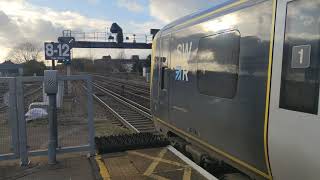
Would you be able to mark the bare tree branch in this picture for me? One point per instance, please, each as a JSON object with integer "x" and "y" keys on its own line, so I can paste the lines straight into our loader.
{"x": 25, "y": 52}
{"x": 121, "y": 55}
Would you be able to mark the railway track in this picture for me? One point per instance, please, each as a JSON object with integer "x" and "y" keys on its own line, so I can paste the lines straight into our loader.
{"x": 135, "y": 83}
{"x": 135, "y": 92}
{"x": 32, "y": 93}
{"x": 131, "y": 114}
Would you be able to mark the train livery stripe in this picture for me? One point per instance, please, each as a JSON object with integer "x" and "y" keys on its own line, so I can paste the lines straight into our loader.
{"x": 212, "y": 13}
{"x": 234, "y": 159}
{"x": 266, "y": 116}
{"x": 153, "y": 56}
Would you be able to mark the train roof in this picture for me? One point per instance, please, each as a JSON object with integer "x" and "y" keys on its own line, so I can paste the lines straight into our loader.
{"x": 202, "y": 14}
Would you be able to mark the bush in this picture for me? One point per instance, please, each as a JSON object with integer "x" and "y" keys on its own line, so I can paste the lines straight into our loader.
{"x": 33, "y": 67}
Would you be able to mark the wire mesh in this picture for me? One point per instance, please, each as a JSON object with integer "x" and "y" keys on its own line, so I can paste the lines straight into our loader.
{"x": 35, "y": 110}
{"x": 6, "y": 144}
{"x": 72, "y": 116}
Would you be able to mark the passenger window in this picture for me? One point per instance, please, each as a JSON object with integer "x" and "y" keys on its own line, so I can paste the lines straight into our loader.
{"x": 164, "y": 76}
{"x": 301, "y": 55}
{"x": 218, "y": 64}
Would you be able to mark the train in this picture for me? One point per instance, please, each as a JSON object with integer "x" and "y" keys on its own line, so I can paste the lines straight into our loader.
{"x": 237, "y": 85}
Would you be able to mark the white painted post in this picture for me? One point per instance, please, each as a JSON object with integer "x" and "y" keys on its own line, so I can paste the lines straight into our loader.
{"x": 69, "y": 82}
{"x": 144, "y": 71}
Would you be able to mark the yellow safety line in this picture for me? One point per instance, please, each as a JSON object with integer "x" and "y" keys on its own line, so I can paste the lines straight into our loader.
{"x": 157, "y": 177}
{"x": 156, "y": 160}
{"x": 102, "y": 168}
{"x": 236, "y": 160}
{"x": 266, "y": 116}
{"x": 155, "y": 163}
{"x": 160, "y": 159}
{"x": 187, "y": 173}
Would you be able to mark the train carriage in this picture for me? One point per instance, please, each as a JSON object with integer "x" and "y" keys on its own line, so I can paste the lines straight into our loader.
{"x": 240, "y": 83}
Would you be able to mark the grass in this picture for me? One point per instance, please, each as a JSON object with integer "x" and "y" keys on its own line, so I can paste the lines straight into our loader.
{"x": 38, "y": 122}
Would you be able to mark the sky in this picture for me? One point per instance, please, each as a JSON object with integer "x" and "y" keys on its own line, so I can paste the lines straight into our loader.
{"x": 43, "y": 20}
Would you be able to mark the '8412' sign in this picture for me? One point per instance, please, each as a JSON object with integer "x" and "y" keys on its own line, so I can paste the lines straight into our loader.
{"x": 57, "y": 51}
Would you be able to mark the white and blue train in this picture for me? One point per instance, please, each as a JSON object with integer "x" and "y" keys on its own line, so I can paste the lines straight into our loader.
{"x": 239, "y": 83}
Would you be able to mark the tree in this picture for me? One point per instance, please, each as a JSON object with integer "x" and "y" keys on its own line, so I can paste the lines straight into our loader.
{"x": 121, "y": 55}
{"x": 33, "y": 67}
{"x": 148, "y": 61}
{"x": 82, "y": 64}
{"x": 25, "y": 52}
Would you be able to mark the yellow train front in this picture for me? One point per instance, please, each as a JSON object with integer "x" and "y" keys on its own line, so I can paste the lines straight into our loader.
{"x": 239, "y": 84}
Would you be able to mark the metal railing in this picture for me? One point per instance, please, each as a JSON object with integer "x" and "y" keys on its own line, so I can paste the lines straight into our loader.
{"x": 21, "y": 137}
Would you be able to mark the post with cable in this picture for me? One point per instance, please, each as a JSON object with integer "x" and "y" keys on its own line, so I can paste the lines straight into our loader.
{"x": 51, "y": 89}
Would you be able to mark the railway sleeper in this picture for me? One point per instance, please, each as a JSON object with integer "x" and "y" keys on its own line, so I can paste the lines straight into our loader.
{"x": 139, "y": 120}
{"x": 143, "y": 126}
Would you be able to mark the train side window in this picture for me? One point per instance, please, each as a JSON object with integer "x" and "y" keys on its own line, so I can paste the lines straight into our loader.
{"x": 218, "y": 64}
{"x": 300, "y": 65}
{"x": 164, "y": 78}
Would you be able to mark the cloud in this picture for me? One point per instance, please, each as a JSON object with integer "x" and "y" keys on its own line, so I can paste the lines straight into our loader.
{"x": 131, "y": 5}
{"x": 9, "y": 31}
{"x": 21, "y": 21}
{"x": 145, "y": 27}
{"x": 169, "y": 10}
{"x": 93, "y": 2}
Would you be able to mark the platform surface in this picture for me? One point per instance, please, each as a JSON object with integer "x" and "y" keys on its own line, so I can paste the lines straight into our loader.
{"x": 143, "y": 164}
{"x": 156, "y": 163}
{"x": 70, "y": 167}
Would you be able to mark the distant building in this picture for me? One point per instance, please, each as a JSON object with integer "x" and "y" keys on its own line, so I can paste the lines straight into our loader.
{"x": 113, "y": 65}
{"x": 10, "y": 69}
{"x": 106, "y": 57}
{"x": 135, "y": 57}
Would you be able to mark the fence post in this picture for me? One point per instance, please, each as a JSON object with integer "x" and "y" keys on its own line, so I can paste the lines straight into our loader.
{"x": 51, "y": 88}
{"x": 13, "y": 118}
{"x": 90, "y": 115}
{"x": 22, "y": 123}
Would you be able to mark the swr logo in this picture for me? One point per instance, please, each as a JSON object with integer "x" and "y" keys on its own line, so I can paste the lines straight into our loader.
{"x": 184, "y": 51}
{"x": 184, "y": 54}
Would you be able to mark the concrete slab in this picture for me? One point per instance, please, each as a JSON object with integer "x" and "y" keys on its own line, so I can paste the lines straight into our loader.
{"x": 143, "y": 164}
{"x": 70, "y": 166}
{"x": 155, "y": 163}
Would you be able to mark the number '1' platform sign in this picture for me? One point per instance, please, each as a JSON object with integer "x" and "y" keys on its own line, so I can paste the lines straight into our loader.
{"x": 57, "y": 51}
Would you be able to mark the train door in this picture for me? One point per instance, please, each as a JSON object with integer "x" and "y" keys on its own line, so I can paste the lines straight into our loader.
{"x": 294, "y": 122}
{"x": 164, "y": 78}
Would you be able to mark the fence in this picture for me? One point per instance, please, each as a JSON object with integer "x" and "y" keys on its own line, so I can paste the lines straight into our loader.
{"x": 24, "y": 122}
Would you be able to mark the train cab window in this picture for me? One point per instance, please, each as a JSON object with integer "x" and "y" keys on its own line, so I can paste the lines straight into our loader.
{"x": 218, "y": 64}
{"x": 164, "y": 75}
{"x": 301, "y": 54}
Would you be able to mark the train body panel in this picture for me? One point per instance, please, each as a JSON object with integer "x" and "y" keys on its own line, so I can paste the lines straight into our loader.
{"x": 294, "y": 134}
{"x": 211, "y": 82}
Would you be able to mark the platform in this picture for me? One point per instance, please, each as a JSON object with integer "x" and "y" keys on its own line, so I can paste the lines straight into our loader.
{"x": 70, "y": 166}
{"x": 156, "y": 163}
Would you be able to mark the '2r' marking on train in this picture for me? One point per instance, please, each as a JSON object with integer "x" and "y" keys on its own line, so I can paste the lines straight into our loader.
{"x": 181, "y": 75}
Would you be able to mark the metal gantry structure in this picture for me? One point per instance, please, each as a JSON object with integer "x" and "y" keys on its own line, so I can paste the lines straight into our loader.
{"x": 115, "y": 39}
